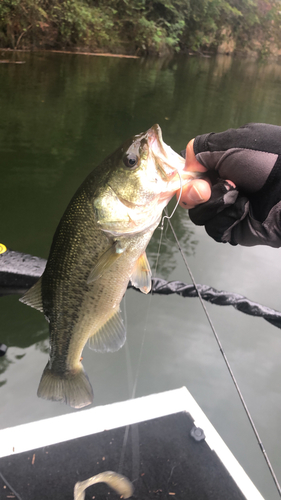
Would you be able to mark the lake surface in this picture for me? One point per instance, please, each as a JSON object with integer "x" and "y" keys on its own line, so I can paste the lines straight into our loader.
{"x": 62, "y": 114}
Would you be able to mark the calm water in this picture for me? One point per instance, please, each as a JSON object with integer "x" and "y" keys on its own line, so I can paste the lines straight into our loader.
{"x": 60, "y": 114}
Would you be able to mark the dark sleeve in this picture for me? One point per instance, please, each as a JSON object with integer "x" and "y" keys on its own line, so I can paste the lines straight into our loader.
{"x": 256, "y": 136}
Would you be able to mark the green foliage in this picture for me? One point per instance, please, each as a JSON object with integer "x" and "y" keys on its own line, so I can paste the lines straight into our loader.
{"x": 259, "y": 25}
{"x": 57, "y": 24}
{"x": 139, "y": 26}
{"x": 78, "y": 23}
{"x": 206, "y": 21}
{"x": 17, "y": 19}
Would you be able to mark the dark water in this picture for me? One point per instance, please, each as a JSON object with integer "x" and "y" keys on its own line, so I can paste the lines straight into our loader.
{"x": 60, "y": 114}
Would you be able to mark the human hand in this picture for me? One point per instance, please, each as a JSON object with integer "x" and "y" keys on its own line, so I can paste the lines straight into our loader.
{"x": 245, "y": 210}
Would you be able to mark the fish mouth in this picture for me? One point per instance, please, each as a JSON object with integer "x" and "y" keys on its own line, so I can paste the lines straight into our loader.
{"x": 155, "y": 141}
{"x": 168, "y": 162}
{"x": 155, "y": 134}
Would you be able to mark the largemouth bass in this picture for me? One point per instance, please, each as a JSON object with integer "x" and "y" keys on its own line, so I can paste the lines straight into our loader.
{"x": 98, "y": 247}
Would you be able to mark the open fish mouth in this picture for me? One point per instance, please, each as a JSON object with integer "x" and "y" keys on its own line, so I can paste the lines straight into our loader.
{"x": 155, "y": 139}
{"x": 169, "y": 162}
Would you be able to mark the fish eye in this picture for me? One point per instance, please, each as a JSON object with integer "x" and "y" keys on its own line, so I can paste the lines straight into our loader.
{"x": 131, "y": 160}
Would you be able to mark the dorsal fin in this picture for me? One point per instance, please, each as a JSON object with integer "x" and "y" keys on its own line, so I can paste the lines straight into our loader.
{"x": 111, "y": 336}
{"x": 141, "y": 276}
{"x": 33, "y": 297}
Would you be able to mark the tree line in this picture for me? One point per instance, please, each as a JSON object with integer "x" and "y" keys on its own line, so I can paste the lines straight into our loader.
{"x": 141, "y": 26}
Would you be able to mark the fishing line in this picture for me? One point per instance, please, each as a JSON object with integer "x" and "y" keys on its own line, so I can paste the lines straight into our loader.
{"x": 129, "y": 378}
{"x": 134, "y": 430}
{"x": 176, "y": 206}
{"x": 135, "y": 467}
{"x": 127, "y": 351}
{"x": 161, "y": 227}
{"x": 228, "y": 365}
{"x": 129, "y": 365}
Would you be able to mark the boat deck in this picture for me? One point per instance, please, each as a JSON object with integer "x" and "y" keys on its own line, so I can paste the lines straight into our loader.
{"x": 43, "y": 460}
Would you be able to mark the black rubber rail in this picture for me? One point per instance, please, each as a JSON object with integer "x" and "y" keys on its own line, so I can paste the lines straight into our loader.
{"x": 218, "y": 297}
{"x": 19, "y": 271}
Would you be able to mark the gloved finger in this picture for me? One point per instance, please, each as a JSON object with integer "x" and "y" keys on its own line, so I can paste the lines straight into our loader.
{"x": 223, "y": 194}
{"x": 221, "y": 225}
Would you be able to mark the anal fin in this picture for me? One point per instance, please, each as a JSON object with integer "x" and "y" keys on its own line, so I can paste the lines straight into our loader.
{"x": 141, "y": 276}
{"x": 111, "y": 336}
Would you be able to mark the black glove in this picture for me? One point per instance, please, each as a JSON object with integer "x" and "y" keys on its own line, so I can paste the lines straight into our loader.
{"x": 250, "y": 156}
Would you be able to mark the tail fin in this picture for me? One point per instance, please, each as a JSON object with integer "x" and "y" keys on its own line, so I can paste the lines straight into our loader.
{"x": 73, "y": 389}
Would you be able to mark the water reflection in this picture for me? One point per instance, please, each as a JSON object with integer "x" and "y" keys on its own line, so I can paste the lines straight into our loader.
{"x": 62, "y": 114}
{"x": 62, "y": 111}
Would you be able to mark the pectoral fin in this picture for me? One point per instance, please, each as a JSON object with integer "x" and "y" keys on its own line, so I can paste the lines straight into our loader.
{"x": 111, "y": 336}
{"x": 33, "y": 297}
{"x": 141, "y": 277}
{"x": 107, "y": 259}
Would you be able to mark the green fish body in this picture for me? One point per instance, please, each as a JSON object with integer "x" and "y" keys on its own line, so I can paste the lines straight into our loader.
{"x": 98, "y": 247}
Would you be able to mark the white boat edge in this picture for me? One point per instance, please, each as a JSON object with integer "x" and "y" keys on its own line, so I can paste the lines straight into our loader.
{"x": 55, "y": 430}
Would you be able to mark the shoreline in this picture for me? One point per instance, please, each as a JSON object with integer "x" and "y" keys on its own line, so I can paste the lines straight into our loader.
{"x": 246, "y": 54}
{"x": 101, "y": 54}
